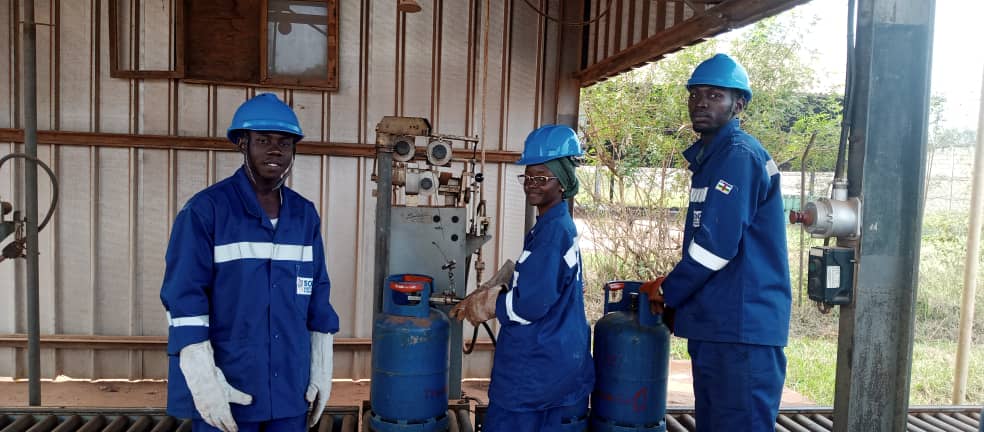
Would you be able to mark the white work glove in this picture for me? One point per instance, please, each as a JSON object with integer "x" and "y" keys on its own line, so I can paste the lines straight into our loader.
{"x": 209, "y": 389}
{"x": 479, "y": 306}
{"x": 322, "y": 350}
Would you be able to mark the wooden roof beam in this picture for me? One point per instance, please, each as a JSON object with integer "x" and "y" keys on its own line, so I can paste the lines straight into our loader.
{"x": 727, "y": 15}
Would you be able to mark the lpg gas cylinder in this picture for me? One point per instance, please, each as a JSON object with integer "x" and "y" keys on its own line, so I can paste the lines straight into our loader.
{"x": 409, "y": 359}
{"x": 631, "y": 355}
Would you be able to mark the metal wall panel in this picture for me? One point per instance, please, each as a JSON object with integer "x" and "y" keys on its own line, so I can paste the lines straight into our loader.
{"x": 8, "y": 277}
{"x": 455, "y": 72}
{"x": 152, "y": 215}
{"x": 345, "y": 106}
{"x": 523, "y": 77}
{"x": 112, "y": 107}
{"x": 194, "y": 106}
{"x": 342, "y": 222}
{"x": 156, "y": 47}
{"x": 103, "y": 256}
{"x": 490, "y": 92}
{"x": 309, "y": 106}
{"x": 153, "y": 107}
{"x": 8, "y": 85}
{"x": 75, "y": 228}
{"x": 74, "y": 80}
{"x": 112, "y": 268}
{"x": 416, "y": 61}
{"x": 47, "y": 50}
{"x": 362, "y": 293}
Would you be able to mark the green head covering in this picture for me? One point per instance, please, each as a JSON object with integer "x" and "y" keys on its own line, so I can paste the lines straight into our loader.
{"x": 563, "y": 168}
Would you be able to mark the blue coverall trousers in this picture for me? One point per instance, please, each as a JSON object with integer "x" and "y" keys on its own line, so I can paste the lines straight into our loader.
{"x": 289, "y": 424}
{"x": 737, "y": 387}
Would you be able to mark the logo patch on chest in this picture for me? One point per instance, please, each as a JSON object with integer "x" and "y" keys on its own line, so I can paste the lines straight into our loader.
{"x": 304, "y": 285}
{"x": 724, "y": 187}
{"x": 696, "y": 222}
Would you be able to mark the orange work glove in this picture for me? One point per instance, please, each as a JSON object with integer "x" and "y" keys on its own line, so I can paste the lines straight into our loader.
{"x": 654, "y": 290}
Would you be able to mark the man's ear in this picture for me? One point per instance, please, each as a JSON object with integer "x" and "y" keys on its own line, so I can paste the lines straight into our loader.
{"x": 242, "y": 141}
{"x": 739, "y": 104}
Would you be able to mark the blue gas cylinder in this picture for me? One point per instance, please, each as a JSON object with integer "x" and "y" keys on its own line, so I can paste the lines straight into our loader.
{"x": 632, "y": 356}
{"x": 409, "y": 389}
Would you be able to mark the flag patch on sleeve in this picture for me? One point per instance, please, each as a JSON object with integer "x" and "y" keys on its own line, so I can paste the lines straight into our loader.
{"x": 724, "y": 187}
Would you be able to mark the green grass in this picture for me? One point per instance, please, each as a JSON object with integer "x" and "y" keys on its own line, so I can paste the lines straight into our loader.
{"x": 812, "y": 349}
{"x": 932, "y": 373}
{"x": 812, "y": 367}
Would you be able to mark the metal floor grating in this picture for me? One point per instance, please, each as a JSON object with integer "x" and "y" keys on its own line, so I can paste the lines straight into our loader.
{"x": 820, "y": 419}
{"x": 346, "y": 419}
{"x": 42, "y": 419}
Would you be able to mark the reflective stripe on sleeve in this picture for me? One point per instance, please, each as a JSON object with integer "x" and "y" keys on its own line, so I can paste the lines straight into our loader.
{"x": 189, "y": 321}
{"x": 698, "y": 195}
{"x": 523, "y": 256}
{"x": 512, "y": 314}
{"x": 771, "y": 168}
{"x": 570, "y": 257}
{"x": 705, "y": 258}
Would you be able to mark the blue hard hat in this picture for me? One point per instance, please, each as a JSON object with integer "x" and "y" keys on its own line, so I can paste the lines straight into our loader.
{"x": 721, "y": 71}
{"x": 264, "y": 113}
{"x": 549, "y": 142}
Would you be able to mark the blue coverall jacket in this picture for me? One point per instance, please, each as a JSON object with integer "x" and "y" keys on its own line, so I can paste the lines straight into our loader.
{"x": 253, "y": 290}
{"x": 542, "y": 358}
{"x": 732, "y": 284}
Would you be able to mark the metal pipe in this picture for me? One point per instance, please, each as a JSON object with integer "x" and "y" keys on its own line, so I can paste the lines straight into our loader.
{"x": 31, "y": 202}
{"x": 384, "y": 182}
{"x": 970, "y": 264}
{"x": 859, "y": 71}
{"x": 848, "y": 104}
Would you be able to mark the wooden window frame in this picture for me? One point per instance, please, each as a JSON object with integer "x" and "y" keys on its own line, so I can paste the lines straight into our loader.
{"x": 329, "y": 83}
{"x": 116, "y": 71}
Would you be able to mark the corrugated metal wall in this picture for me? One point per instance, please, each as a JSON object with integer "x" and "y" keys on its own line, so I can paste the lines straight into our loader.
{"x": 102, "y": 258}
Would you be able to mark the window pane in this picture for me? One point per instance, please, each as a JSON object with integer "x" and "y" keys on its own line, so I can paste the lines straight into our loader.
{"x": 297, "y": 39}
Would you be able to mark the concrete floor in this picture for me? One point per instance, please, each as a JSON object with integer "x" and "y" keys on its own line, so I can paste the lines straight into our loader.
{"x": 149, "y": 394}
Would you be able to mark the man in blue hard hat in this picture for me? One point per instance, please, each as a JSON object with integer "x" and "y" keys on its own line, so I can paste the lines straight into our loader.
{"x": 542, "y": 372}
{"x": 731, "y": 289}
{"x": 250, "y": 326}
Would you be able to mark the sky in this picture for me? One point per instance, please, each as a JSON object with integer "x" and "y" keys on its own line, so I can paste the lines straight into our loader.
{"x": 958, "y": 55}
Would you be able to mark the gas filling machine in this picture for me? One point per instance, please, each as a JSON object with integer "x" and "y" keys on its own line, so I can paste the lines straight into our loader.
{"x": 430, "y": 221}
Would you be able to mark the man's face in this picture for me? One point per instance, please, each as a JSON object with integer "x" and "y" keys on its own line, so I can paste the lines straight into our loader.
{"x": 270, "y": 154}
{"x": 545, "y": 194}
{"x": 712, "y": 107}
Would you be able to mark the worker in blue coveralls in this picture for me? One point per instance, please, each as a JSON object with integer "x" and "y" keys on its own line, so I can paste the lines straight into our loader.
{"x": 731, "y": 289}
{"x": 250, "y": 328}
{"x": 542, "y": 372}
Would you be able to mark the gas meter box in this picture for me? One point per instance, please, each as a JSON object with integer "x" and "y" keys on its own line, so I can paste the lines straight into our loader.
{"x": 831, "y": 275}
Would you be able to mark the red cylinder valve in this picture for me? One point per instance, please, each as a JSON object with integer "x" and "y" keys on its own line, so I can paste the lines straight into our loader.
{"x": 803, "y": 217}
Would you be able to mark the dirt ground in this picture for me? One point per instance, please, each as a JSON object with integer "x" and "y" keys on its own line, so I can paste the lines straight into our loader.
{"x": 64, "y": 392}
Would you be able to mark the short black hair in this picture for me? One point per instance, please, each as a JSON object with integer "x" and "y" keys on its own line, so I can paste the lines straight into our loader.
{"x": 738, "y": 94}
